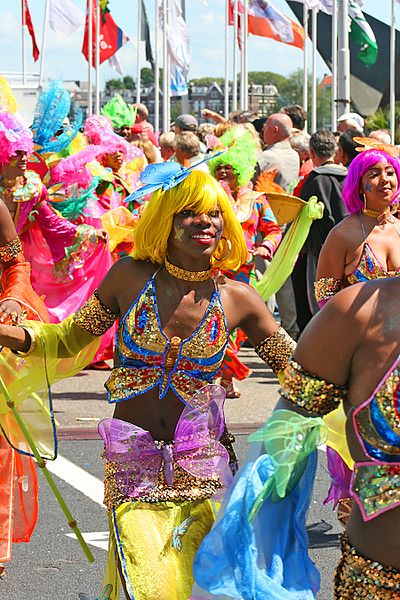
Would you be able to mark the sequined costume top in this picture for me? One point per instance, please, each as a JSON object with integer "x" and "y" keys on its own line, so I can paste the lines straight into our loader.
{"x": 376, "y": 483}
{"x": 368, "y": 268}
{"x": 149, "y": 359}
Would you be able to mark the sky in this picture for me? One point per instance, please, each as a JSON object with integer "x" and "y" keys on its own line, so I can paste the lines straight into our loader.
{"x": 205, "y": 19}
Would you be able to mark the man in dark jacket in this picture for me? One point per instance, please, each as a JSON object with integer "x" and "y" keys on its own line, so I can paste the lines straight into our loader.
{"x": 325, "y": 182}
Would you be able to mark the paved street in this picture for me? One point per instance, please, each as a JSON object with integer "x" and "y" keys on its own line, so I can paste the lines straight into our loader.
{"x": 52, "y": 566}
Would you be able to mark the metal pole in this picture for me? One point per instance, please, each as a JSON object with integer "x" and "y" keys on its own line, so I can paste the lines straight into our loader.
{"x": 245, "y": 29}
{"x": 343, "y": 102}
{"x": 334, "y": 63}
{"x": 393, "y": 71}
{"x": 90, "y": 56}
{"x": 305, "y": 60}
{"x": 234, "y": 62}
{"x": 97, "y": 57}
{"x": 44, "y": 39}
{"x": 226, "y": 82}
{"x": 165, "y": 69}
{"x": 241, "y": 36}
{"x": 23, "y": 21}
{"x": 314, "y": 20}
{"x": 139, "y": 37}
{"x": 156, "y": 71}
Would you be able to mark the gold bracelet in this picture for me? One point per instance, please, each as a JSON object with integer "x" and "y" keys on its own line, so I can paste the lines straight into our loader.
{"x": 276, "y": 349}
{"x": 33, "y": 344}
{"x": 94, "y": 317}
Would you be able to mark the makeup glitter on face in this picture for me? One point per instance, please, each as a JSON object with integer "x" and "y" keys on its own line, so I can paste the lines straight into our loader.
{"x": 178, "y": 233}
{"x": 368, "y": 186}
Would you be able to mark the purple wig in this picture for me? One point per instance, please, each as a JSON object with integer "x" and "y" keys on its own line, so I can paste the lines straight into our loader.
{"x": 358, "y": 167}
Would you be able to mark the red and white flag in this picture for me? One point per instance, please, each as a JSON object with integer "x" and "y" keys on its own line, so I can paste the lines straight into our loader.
{"x": 27, "y": 20}
{"x": 266, "y": 21}
{"x": 111, "y": 37}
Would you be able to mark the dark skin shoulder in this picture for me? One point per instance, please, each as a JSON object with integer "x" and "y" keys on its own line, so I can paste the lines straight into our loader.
{"x": 7, "y": 228}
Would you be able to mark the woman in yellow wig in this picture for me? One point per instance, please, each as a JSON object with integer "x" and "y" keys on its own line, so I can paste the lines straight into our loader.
{"x": 167, "y": 451}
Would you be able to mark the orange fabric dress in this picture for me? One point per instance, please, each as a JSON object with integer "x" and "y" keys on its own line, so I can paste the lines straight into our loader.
{"x": 18, "y": 477}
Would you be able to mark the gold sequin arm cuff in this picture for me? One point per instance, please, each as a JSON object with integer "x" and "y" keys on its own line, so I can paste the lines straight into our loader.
{"x": 10, "y": 250}
{"x": 326, "y": 287}
{"x": 94, "y": 317}
{"x": 276, "y": 350}
{"x": 313, "y": 394}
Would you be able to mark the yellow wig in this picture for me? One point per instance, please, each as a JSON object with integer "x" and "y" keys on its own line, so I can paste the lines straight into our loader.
{"x": 198, "y": 192}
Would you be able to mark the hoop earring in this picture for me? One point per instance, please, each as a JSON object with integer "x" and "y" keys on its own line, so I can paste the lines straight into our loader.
{"x": 227, "y": 252}
{"x": 364, "y": 199}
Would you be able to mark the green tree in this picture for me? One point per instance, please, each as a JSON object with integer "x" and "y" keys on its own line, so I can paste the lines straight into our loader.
{"x": 380, "y": 119}
{"x": 114, "y": 84}
{"x": 128, "y": 83}
{"x": 266, "y": 78}
{"x": 207, "y": 81}
{"x": 146, "y": 76}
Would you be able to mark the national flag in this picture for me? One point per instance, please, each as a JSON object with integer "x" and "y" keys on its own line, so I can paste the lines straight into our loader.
{"x": 65, "y": 17}
{"x": 363, "y": 35}
{"x": 145, "y": 35}
{"x": 27, "y": 20}
{"x": 266, "y": 21}
{"x": 111, "y": 37}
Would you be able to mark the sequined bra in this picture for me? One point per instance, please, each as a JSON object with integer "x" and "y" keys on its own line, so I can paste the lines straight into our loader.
{"x": 149, "y": 359}
{"x": 376, "y": 484}
{"x": 369, "y": 267}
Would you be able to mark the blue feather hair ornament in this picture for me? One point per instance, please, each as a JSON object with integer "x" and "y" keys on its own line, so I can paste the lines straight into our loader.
{"x": 52, "y": 108}
{"x": 165, "y": 176}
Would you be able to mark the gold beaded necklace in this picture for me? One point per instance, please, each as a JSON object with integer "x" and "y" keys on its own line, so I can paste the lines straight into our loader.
{"x": 187, "y": 275}
{"x": 377, "y": 213}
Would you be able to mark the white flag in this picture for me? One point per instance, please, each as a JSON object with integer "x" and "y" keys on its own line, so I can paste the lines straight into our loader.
{"x": 65, "y": 16}
{"x": 178, "y": 49}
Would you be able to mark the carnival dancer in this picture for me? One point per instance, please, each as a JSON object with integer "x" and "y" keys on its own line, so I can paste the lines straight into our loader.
{"x": 364, "y": 246}
{"x": 18, "y": 479}
{"x": 350, "y": 351}
{"x": 234, "y": 170}
{"x": 166, "y": 453}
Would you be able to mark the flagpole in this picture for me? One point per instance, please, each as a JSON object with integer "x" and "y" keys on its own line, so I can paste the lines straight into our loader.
{"x": 334, "y": 63}
{"x": 165, "y": 68}
{"x": 23, "y": 21}
{"x": 393, "y": 71}
{"x": 343, "y": 58}
{"x": 234, "y": 62}
{"x": 245, "y": 55}
{"x": 156, "y": 72}
{"x": 139, "y": 37}
{"x": 305, "y": 60}
{"x": 226, "y": 82}
{"x": 90, "y": 55}
{"x": 241, "y": 37}
{"x": 314, "y": 21}
{"x": 44, "y": 40}
{"x": 97, "y": 57}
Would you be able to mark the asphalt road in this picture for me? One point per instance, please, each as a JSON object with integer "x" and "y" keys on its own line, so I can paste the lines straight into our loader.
{"x": 52, "y": 566}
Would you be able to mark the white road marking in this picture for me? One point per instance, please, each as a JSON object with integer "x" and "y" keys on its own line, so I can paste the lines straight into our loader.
{"x": 99, "y": 539}
{"x": 78, "y": 478}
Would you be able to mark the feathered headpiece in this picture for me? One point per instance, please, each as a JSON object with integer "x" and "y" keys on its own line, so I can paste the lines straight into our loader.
{"x": 51, "y": 110}
{"x": 14, "y": 137}
{"x": 241, "y": 154}
{"x": 119, "y": 112}
{"x": 8, "y": 102}
{"x": 99, "y": 131}
{"x": 74, "y": 170}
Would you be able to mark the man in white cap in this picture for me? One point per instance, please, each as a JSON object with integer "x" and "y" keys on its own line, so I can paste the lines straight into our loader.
{"x": 350, "y": 120}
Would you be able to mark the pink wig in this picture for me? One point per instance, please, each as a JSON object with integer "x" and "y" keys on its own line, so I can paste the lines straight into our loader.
{"x": 14, "y": 137}
{"x": 99, "y": 131}
{"x": 358, "y": 167}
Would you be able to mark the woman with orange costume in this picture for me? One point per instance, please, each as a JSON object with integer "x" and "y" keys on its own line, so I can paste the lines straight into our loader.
{"x": 176, "y": 312}
{"x": 18, "y": 479}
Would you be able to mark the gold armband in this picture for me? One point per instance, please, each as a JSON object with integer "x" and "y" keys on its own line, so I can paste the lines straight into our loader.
{"x": 33, "y": 345}
{"x": 276, "y": 350}
{"x": 310, "y": 392}
{"x": 94, "y": 317}
{"x": 10, "y": 250}
{"x": 326, "y": 287}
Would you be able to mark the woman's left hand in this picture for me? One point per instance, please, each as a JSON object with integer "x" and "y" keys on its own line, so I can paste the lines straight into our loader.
{"x": 102, "y": 235}
{"x": 263, "y": 252}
